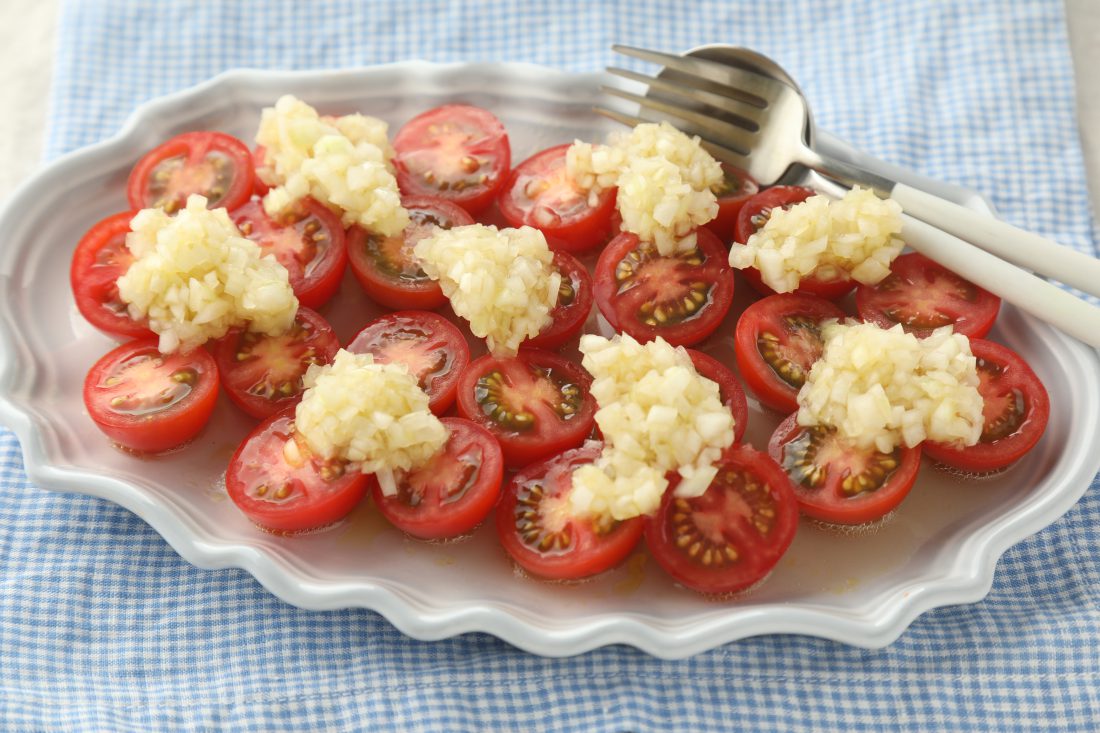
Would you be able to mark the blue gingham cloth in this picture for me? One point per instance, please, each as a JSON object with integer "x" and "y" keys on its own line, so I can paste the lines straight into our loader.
{"x": 103, "y": 627}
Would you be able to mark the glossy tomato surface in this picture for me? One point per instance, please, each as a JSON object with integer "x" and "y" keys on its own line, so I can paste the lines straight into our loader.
{"x": 263, "y": 374}
{"x": 211, "y": 164}
{"x": 282, "y": 486}
{"x": 457, "y": 152}
{"x": 730, "y": 537}
{"x": 736, "y": 188}
{"x": 100, "y": 259}
{"x": 540, "y": 194}
{"x": 682, "y": 298}
{"x": 433, "y": 349}
{"x": 536, "y": 403}
{"x": 922, "y": 296}
{"x": 1015, "y": 412}
{"x": 573, "y": 306}
{"x": 838, "y": 482}
{"x": 151, "y": 402}
{"x": 451, "y": 494}
{"x": 539, "y": 531}
{"x": 386, "y": 266}
{"x": 308, "y": 241}
{"x": 729, "y": 389}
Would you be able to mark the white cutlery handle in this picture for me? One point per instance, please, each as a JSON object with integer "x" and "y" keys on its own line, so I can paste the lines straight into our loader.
{"x": 1027, "y": 250}
{"x": 1038, "y": 297}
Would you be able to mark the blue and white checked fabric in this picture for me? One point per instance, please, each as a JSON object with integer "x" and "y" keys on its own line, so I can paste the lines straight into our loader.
{"x": 103, "y": 627}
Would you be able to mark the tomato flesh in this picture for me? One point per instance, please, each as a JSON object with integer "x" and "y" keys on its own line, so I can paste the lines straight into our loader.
{"x": 681, "y": 298}
{"x": 736, "y": 188}
{"x": 433, "y": 349}
{"x": 539, "y": 531}
{"x": 574, "y": 304}
{"x": 210, "y": 164}
{"x": 451, "y": 494}
{"x": 100, "y": 259}
{"x": 731, "y": 536}
{"x": 151, "y": 402}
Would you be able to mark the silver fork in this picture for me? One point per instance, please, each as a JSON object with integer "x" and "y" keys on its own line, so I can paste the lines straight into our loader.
{"x": 760, "y": 124}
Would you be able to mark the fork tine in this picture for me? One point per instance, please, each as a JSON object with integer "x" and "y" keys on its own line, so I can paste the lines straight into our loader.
{"x": 758, "y": 85}
{"x": 743, "y": 114}
{"x": 737, "y": 138}
{"x": 723, "y": 154}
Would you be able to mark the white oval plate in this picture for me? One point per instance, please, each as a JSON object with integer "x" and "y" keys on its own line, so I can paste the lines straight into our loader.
{"x": 940, "y": 549}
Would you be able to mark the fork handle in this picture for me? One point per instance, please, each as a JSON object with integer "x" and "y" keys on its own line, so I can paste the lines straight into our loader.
{"x": 1028, "y": 250}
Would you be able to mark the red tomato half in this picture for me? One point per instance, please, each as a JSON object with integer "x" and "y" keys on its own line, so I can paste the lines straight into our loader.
{"x": 1015, "y": 412}
{"x": 536, "y": 404}
{"x": 681, "y": 298}
{"x": 211, "y": 164}
{"x": 148, "y": 401}
{"x": 457, "y": 152}
{"x": 922, "y": 296}
{"x": 263, "y": 374}
{"x": 540, "y": 194}
{"x": 386, "y": 266}
{"x": 308, "y": 241}
{"x": 432, "y": 347}
{"x": 837, "y": 482}
{"x": 752, "y": 217}
{"x": 100, "y": 259}
{"x": 538, "y": 529}
{"x": 736, "y": 188}
{"x": 729, "y": 389}
{"x": 574, "y": 304}
{"x": 282, "y": 486}
{"x": 777, "y": 339}
{"x": 730, "y": 537}
{"x": 451, "y": 494}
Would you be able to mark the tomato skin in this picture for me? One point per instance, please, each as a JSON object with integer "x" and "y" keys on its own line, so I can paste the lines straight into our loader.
{"x": 579, "y": 227}
{"x": 442, "y": 138}
{"x": 316, "y": 280}
{"x": 239, "y": 376}
{"x": 403, "y": 290}
{"x": 101, "y": 257}
{"x": 656, "y": 276}
{"x": 729, "y": 389}
{"x": 433, "y": 517}
{"x": 195, "y": 148}
{"x": 567, "y": 319}
{"x": 919, "y": 288}
{"x": 589, "y": 551}
{"x": 1015, "y": 377}
{"x": 151, "y": 429}
{"x": 391, "y": 337}
{"x": 749, "y": 222}
{"x": 723, "y": 508}
{"x": 829, "y": 502}
{"x": 551, "y": 432}
{"x": 769, "y": 315}
{"x": 314, "y": 501}
{"x": 738, "y": 187}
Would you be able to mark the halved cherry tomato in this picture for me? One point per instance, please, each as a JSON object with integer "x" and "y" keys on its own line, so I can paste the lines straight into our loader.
{"x": 308, "y": 241}
{"x": 457, "y": 152}
{"x": 452, "y": 493}
{"x": 536, "y": 404}
{"x": 729, "y": 389}
{"x": 574, "y": 304}
{"x": 752, "y": 217}
{"x": 148, "y": 401}
{"x": 540, "y": 194}
{"x": 212, "y": 164}
{"x": 386, "y": 267}
{"x": 537, "y": 527}
{"x": 1016, "y": 409}
{"x": 922, "y": 296}
{"x": 777, "y": 339}
{"x": 736, "y": 188}
{"x": 100, "y": 259}
{"x": 838, "y": 482}
{"x": 432, "y": 347}
{"x": 681, "y": 298}
{"x": 281, "y": 485}
{"x": 263, "y": 374}
{"x": 730, "y": 537}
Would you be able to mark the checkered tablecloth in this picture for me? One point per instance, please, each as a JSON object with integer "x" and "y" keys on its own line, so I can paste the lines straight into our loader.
{"x": 103, "y": 627}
